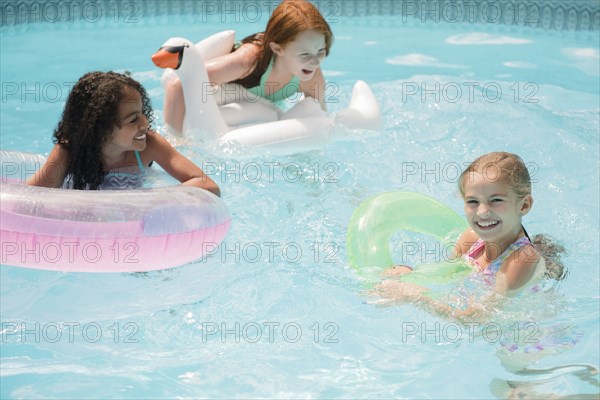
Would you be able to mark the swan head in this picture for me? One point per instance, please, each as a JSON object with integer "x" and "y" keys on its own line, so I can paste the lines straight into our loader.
{"x": 172, "y": 53}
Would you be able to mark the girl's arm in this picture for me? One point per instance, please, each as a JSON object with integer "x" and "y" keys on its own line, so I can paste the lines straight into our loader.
{"x": 232, "y": 66}
{"x": 395, "y": 291}
{"x": 315, "y": 88}
{"x": 52, "y": 174}
{"x": 399, "y": 292}
{"x": 517, "y": 271}
{"x": 178, "y": 166}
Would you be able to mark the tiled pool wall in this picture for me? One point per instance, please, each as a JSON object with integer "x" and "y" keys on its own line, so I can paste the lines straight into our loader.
{"x": 565, "y": 15}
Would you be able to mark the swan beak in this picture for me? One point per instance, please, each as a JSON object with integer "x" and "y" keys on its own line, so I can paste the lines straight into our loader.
{"x": 168, "y": 57}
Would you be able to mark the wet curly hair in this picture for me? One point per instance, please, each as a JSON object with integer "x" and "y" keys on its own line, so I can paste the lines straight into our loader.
{"x": 90, "y": 116}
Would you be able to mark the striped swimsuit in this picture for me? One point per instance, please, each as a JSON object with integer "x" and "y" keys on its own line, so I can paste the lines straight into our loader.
{"x": 131, "y": 177}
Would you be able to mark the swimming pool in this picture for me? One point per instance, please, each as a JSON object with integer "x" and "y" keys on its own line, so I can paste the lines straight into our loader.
{"x": 276, "y": 311}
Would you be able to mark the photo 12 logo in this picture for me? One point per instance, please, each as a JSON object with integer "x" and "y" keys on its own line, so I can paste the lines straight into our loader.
{"x": 256, "y": 11}
{"x": 469, "y": 91}
{"x": 451, "y": 172}
{"x": 269, "y": 331}
{"x": 272, "y": 252}
{"x": 69, "y": 252}
{"x": 452, "y": 332}
{"x": 470, "y": 11}
{"x": 35, "y": 92}
{"x": 271, "y": 171}
{"x": 23, "y": 12}
{"x": 68, "y": 332}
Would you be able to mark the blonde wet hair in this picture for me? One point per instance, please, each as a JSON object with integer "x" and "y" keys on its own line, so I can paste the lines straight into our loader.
{"x": 500, "y": 166}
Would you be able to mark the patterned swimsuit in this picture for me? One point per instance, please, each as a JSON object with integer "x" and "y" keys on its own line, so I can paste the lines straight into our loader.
{"x": 131, "y": 177}
{"x": 490, "y": 272}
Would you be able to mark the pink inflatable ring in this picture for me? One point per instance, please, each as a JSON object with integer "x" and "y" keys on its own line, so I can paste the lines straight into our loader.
{"x": 103, "y": 231}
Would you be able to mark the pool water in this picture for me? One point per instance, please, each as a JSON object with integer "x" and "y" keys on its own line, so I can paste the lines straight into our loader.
{"x": 276, "y": 311}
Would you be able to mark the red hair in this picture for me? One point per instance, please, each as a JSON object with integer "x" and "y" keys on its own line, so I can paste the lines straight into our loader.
{"x": 289, "y": 19}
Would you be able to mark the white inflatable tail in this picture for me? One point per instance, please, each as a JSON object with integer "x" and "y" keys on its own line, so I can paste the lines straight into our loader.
{"x": 363, "y": 112}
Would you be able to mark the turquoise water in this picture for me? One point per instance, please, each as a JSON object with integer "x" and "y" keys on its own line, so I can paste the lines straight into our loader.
{"x": 276, "y": 311}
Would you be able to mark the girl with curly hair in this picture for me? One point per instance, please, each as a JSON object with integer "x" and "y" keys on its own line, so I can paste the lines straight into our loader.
{"x": 104, "y": 140}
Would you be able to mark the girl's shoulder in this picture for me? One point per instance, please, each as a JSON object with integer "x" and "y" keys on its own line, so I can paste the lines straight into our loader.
{"x": 464, "y": 242}
{"x": 235, "y": 65}
{"x": 154, "y": 140}
{"x": 249, "y": 48}
{"x": 155, "y": 145}
{"x": 523, "y": 257}
{"x": 521, "y": 266}
{"x": 247, "y": 55}
{"x": 54, "y": 170}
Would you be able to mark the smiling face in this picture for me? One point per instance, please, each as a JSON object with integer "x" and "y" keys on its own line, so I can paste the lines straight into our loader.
{"x": 131, "y": 134}
{"x": 493, "y": 209}
{"x": 303, "y": 55}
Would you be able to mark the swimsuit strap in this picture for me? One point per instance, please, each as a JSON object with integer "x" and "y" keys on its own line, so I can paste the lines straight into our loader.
{"x": 139, "y": 161}
{"x": 474, "y": 249}
{"x": 497, "y": 263}
{"x": 525, "y": 231}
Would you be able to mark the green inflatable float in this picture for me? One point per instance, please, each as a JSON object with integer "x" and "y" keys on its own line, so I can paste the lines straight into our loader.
{"x": 378, "y": 218}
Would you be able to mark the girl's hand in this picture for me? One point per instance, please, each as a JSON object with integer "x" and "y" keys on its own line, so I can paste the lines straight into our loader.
{"x": 176, "y": 164}
{"x": 397, "y": 270}
{"x": 399, "y": 291}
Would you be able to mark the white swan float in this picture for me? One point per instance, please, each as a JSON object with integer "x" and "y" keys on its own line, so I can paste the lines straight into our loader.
{"x": 230, "y": 113}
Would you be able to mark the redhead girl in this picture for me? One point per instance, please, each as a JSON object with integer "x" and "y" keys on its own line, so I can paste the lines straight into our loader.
{"x": 275, "y": 64}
